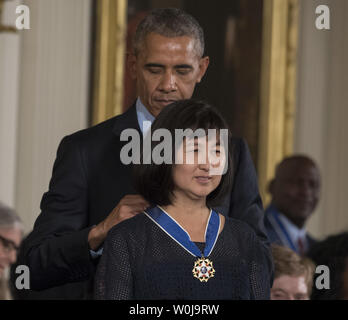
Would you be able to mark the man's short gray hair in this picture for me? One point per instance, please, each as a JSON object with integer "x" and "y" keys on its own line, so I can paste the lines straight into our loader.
{"x": 169, "y": 22}
{"x": 9, "y": 217}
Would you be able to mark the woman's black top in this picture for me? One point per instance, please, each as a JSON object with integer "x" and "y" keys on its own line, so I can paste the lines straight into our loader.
{"x": 140, "y": 261}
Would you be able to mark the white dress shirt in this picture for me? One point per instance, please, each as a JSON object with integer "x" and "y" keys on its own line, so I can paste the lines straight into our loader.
{"x": 294, "y": 232}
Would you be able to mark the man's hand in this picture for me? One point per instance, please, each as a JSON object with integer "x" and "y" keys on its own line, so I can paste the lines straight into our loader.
{"x": 128, "y": 207}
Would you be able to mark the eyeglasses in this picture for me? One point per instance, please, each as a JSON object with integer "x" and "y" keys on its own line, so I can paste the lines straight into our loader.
{"x": 8, "y": 245}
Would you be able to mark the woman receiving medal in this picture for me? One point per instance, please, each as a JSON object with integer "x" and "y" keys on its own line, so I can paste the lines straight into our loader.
{"x": 180, "y": 247}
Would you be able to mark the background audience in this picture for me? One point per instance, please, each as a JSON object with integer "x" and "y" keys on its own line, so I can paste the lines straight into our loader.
{"x": 295, "y": 195}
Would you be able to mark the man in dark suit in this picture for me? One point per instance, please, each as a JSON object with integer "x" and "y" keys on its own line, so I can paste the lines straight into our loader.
{"x": 295, "y": 194}
{"x": 91, "y": 189}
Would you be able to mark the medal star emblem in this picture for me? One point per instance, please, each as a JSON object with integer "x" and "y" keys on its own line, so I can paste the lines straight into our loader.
{"x": 203, "y": 270}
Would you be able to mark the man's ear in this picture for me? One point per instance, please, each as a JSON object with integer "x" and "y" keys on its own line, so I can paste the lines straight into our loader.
{"x": 270, "y": 188}
{"x": 131, "y": 63}
{"x": 203, "y": 66}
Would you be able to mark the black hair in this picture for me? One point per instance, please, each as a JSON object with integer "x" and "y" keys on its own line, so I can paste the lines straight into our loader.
{"x": 169, "y": 22}
{"x": 155, "y": 182}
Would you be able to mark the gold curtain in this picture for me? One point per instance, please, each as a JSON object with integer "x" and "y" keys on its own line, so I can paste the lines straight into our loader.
{"x": 111, "y": 30}
{"x": 278, "y": 83}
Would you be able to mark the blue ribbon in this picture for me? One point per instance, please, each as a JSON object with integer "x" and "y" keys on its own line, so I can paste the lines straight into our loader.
{"x": 175, "y": 231}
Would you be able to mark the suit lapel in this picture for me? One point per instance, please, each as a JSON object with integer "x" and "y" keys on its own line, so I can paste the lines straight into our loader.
{"x": 274, "y": 233}
{"x": 127, "y": 120}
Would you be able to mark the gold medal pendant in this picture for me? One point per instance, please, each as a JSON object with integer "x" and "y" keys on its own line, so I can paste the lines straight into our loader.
{"x": 203, "y": 269}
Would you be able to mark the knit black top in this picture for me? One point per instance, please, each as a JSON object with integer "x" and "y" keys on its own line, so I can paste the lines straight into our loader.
{"x": 141, "y": 262}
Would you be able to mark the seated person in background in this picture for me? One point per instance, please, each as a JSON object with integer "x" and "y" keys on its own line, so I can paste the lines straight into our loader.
{"x": 293, "y": 275}
{"x": 295, "y": 194}
{"x": 333, "y": 253}
{"x": 11, "y": 232}
{"x": 180, "y": 248}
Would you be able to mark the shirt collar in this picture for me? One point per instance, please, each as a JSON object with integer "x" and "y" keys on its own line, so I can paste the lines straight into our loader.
{"x": 143, "y": 115}
{"x": 293, "y": 231}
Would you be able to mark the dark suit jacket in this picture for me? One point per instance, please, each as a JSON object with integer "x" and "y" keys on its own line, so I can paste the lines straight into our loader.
{"x": 88, "y": 181}
{"x": 273, "y": 235}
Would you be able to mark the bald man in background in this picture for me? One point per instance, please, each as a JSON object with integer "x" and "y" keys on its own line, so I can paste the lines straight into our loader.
{"x": 295, "y": 194}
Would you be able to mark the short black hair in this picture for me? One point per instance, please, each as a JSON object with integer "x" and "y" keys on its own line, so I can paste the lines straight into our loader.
{"x": 155, "y": 182}
{"x": 169, "y": 22}
{"x": 333, "y": 253}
